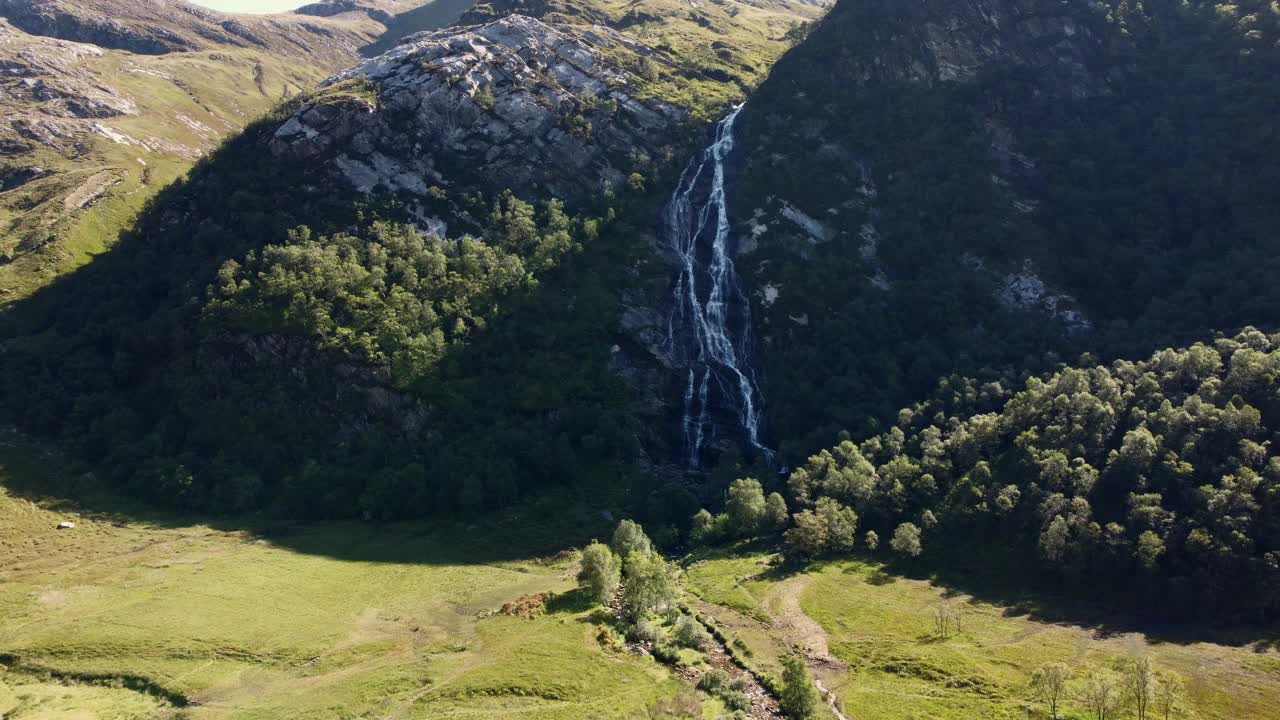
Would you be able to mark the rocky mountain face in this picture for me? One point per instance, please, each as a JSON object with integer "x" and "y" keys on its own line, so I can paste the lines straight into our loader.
{"x": 158, "y": 27}
{"x": 935, "y": 42}
{"x": 924, "y": 47}
{"x": 339, "y": 7}
{"x": 521, "y": 104}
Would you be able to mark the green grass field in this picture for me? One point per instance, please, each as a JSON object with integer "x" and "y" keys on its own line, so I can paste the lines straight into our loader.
{"x": 187, "y": 102}
{"x": 124, "y": 617}
{"x": 870, "y": 637}
{"x": 135, "y": 614}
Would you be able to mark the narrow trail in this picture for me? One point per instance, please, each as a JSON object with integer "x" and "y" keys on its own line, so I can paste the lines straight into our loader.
{"x": 806, "y": 637}
{"x": 830, "y": 697}
{"x": 798, "y": 629}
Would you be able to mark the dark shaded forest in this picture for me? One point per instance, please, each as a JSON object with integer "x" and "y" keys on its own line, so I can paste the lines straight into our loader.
{"x": 265, "y": 338}
{"x": 1131, "y": 163}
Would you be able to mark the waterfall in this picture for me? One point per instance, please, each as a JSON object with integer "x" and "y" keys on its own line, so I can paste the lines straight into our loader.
{"x": 709, "y": 327}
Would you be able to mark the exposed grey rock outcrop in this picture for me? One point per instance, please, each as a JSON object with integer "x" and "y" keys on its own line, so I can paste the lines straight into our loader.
{"x": 516, "y": 103}
{"x": 42, "y": 77}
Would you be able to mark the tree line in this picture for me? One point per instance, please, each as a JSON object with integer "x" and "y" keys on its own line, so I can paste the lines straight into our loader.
{"x": 1156, "y": 479}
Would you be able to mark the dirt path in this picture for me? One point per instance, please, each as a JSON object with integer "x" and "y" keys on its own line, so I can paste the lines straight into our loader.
{"x": 799, "y": 630}
{"x": 806, "y": 637}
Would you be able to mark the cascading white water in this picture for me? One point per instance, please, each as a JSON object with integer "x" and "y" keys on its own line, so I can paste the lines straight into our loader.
{"x": 716, "y": 342}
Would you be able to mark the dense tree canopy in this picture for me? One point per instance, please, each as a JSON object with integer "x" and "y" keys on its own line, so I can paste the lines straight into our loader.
{"x": 266, "y": 338}
{"x": 1158, "y": 478}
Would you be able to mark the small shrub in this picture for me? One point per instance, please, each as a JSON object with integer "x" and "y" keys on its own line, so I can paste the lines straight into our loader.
{"x": 610, "y": 640}
{"x": 646, "y": 630}
{"x": 736, "y": 701}
{"x": 485, "y": 99}
{"x": 666, "y": 651}
{"x": 690, "y": 633}
{"x": 714, "y": 682}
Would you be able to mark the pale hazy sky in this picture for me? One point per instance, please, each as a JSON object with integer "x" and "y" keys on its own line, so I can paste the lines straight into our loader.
{"x": 252, "y": 6}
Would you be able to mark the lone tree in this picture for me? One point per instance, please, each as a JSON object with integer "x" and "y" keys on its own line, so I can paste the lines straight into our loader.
{"x": 946, "y": 619}
{"x": 1050, "y": 682}
{"x": 906, "y": 540}
{"x": 872, "y": 540}
{"x": 1101, "y": 694}
{"x": 1169, "y": 694}
{"x": 599, "y": 572}
{"x": 1141, "y": 684}
{"x": 799, "y": 700}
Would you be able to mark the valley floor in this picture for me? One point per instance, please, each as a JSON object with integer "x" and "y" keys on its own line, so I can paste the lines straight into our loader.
{"x": 335, "y": 621}
{"x": 870, "y": 637}
{"x": 137, "y": 615}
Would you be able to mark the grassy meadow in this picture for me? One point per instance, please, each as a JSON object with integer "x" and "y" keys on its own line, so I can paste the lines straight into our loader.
{"x": 870, "y": 637}
{"x": 131, "y": 615}
{"x": 136, "y": 614}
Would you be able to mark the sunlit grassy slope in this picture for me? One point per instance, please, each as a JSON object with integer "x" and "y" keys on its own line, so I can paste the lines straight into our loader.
{"x": 187, "y": 102}
{"x": 871, "y": 637}
{"x": 323, "y": 622}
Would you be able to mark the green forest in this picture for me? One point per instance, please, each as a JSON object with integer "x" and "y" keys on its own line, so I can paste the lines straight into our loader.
{"x": 1153, "y": 481}
{"x": 302, "y": 348}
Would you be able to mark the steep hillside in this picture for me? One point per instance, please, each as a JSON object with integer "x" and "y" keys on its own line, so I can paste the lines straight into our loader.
{"x": 709, "y": 56}
{"x": 933, "y": 187}
{"x": 102, "y": 103}
{"x": 396, "y": 295}
{"x": 159, "y": 27}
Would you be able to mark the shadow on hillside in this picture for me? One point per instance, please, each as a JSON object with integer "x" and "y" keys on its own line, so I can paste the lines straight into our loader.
{"x": 961, "y": 579}
{"x": 44, "y": 477}
{"x": 432, "y": 16}
{"x": 95, "y": 352}
{"x": 1043, "y": 600}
